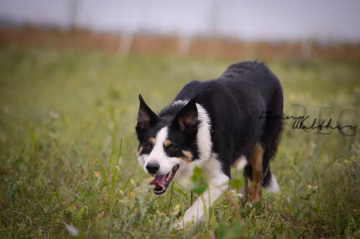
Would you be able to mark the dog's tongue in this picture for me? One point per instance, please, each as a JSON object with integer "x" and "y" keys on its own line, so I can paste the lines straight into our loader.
{"x": 159, "y": 180}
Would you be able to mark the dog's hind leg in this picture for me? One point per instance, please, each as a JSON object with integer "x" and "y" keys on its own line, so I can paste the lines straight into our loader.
{"x": 257, "y": 172}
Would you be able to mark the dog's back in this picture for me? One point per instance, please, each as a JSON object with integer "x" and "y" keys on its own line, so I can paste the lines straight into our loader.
{"x": 235, "y": 103}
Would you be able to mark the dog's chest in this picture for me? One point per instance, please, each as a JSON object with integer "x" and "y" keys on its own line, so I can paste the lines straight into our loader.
{"x": 183, "y": 177}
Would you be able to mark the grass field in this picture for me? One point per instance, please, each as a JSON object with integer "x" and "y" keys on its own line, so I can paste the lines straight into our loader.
{"x": 68, "y": 150}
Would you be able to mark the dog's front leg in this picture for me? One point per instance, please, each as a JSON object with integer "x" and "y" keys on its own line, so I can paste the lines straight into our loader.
{"x": 197, "y": 211}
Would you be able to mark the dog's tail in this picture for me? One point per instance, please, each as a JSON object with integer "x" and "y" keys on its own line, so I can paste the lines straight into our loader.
{"x": 269, "y": 181}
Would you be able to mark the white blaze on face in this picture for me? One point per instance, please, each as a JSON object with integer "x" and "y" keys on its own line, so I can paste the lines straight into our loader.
{"x": 158, "y": 154}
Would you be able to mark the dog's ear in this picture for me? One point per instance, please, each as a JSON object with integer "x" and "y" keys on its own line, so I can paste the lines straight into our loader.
{"x": 146, "y": 117}
{"x": 187, "y": 118}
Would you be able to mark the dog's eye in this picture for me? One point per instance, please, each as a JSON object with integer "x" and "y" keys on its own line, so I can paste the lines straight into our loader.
{"x": 148, "y": 146}
{"x": 172, "y": 147}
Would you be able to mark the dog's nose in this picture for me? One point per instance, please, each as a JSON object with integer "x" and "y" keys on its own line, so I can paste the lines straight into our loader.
{"x": 152, "y": 167}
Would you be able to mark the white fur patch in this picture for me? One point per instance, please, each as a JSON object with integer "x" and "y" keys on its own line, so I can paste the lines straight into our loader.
{"x": 274, "y": 186}
{"x": 180, "y": 102}
{"x": 203, "y": 135}
{"x": 158, "y": 154}
{"x": 241, "y": 163}
{"x": 204, "y": 146}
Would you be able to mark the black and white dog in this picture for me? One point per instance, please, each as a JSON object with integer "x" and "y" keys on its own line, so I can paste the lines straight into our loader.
{"x": 214, "y": 125}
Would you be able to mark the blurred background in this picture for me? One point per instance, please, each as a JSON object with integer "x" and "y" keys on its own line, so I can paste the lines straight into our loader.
{"x": 213, "y": 28}
{"x": 70, "y": 75}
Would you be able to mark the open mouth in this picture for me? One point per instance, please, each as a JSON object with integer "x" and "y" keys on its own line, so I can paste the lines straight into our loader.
{"x": 162, "y": 182}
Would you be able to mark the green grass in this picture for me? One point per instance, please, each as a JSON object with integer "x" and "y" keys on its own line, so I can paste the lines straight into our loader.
{"x": 68, "y": 150}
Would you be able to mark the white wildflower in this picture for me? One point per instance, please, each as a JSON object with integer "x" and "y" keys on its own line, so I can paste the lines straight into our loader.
{"x": 54, "y": 114}
{"x": 73, "y": 231}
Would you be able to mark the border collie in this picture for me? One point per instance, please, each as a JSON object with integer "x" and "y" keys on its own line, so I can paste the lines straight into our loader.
{"x": 215, "y": 124}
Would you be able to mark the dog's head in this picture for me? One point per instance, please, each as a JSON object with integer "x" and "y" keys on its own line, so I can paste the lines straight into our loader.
{"x": 167, "y": 143}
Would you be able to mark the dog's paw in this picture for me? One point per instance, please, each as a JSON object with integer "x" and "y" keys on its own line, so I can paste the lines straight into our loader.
{"x": 255, "y": 193}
